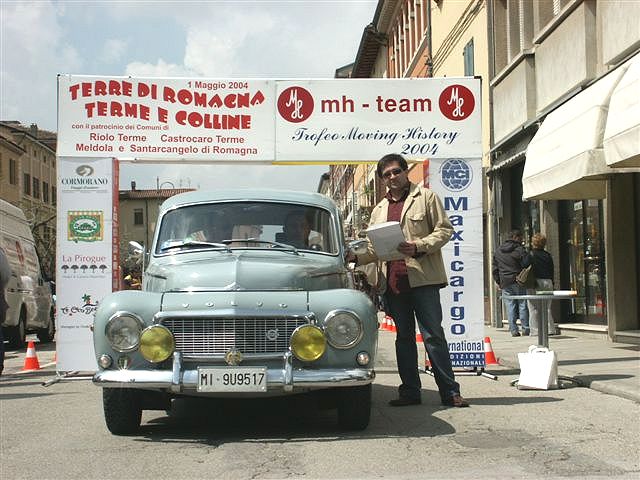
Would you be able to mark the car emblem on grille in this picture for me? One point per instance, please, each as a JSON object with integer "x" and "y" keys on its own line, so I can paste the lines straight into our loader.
{"x": 233, "y": 356}
{"x": 272, "y": 334}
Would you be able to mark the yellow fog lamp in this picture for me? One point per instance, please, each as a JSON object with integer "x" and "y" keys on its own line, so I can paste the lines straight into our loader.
{"x": 308, "y": 343}
{"x": 156, "y": 343}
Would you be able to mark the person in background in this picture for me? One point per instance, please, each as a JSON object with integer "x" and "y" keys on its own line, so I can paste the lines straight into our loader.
{"x": 5, "y": 276}
{"x": 413, "y": 284}
{"x": 508, "y": 260}
{"x": 296, "y": 230}
{"x": 542, "y": 268}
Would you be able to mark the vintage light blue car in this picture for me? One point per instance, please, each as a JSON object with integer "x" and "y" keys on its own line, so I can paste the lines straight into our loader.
{"x": 244, "y": 294}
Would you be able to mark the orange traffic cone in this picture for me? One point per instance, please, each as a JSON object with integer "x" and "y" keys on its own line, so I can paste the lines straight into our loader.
{"x": 489, "y": 356}
{"x": 31, "y": 359}
{"x": 419, "y": 338}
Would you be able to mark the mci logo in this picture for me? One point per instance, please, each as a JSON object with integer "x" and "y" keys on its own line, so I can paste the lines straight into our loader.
{"x": 455, "y": 174}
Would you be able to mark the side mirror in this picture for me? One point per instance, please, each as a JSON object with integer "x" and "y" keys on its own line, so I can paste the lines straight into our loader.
{"x": 135, "y": 248}
{"x": 358, "y": 246}
{"x": 137, "y": 252}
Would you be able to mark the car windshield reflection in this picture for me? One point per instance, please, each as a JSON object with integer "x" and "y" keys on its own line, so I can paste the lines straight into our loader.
{"x": 247, "y": 225}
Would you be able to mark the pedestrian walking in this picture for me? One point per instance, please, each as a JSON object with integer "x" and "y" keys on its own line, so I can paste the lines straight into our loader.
{"x": 509, "y": 259}
{"x": 541, "y": 263}
{"x": 413, "y": 284}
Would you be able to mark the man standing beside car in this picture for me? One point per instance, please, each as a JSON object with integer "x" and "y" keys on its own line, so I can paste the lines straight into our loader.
{"x": 5, "y": 276}
{"x": 413, "y": 284}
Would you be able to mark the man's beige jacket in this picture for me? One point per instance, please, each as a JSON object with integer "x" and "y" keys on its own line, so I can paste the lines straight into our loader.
{"x": 425, "y": 222}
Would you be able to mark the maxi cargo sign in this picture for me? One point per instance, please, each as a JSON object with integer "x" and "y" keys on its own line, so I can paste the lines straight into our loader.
{"x": 206, "y": 120}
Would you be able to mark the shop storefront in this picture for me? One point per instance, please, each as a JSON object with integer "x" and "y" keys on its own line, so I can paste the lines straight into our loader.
{"x": 590, "y": 198}
{"x": 582, "y": 260}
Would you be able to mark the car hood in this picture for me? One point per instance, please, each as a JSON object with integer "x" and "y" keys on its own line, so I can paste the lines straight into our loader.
{"x": 247, "y": 271}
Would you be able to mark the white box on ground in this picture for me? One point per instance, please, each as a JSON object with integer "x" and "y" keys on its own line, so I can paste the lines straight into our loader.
{"x": 538, "y": 369}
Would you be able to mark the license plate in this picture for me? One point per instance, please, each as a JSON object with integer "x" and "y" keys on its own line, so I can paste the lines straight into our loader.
{"x": 232, "y": 379}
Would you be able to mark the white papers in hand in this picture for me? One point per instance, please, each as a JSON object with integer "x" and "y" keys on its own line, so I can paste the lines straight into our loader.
{"x": 385, "y": 238}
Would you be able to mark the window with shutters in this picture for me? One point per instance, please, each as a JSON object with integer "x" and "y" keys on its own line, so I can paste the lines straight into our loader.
{"x": 513, "y": 30}
{"x": 468, "y": 59}
{"x": 26, "y": 184}
{"x": 36, "y": 188}
{"x": 13, "y": 172}
{"x": 138, "y": 216}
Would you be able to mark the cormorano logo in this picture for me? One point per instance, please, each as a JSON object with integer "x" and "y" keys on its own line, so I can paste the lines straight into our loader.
{"x": 84, "y": 180}
{"x": 84, "y": 170}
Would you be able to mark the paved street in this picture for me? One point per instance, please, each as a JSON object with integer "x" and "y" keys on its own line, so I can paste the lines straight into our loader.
{"x": 59, "y": 432}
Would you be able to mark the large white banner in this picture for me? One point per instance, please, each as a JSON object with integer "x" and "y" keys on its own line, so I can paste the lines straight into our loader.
{"x": 458, "y": 182}
{"x": 361, "y": 119}
{"x": 209, "y": 120}
{"x": 166, "y": 118}
{"x": 205, "y": 120}
{"x": 85, "y": 266}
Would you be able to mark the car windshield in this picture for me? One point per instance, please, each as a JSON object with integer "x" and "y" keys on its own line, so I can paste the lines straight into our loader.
{"x": 247, "y": 225}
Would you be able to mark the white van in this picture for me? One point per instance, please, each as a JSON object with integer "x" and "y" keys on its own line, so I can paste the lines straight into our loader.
{"x": 28, "y": 295}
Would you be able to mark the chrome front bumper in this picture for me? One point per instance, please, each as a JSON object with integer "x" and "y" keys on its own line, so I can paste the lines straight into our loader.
{"x": 286, "y": 379}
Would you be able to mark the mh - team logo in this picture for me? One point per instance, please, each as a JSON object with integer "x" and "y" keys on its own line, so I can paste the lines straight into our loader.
{"x": 295, "y": 104}
{"x": 456, "y": 102}
{"x": 455, "y": 174}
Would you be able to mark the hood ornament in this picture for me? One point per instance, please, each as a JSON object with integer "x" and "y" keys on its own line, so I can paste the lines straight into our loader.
{"x": 272, "y": 334}
{"x": 233, "y": 356}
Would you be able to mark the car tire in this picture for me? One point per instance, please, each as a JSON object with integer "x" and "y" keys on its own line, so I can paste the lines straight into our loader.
{"x": 122, "y": 410}
{"x": 46, "y": 335}
{"x": 354, "y": 407}
{"x": 17, "y": 334}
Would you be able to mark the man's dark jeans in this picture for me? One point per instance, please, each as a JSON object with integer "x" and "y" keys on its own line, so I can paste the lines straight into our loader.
{"x": 423, "y": 304}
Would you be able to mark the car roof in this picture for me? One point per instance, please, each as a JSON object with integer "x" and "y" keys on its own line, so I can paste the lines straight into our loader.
{"x": 286, "y": 196}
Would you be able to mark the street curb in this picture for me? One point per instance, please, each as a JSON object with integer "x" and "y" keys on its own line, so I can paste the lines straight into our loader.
{"x": 596, "y": 385}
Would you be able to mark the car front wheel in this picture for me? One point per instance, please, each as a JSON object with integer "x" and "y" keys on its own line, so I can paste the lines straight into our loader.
{"x": 122, "y": 410}
{"x": 46, "y": 334}
{"x": 18, "y": 334}
{"x": 354, "y": 407}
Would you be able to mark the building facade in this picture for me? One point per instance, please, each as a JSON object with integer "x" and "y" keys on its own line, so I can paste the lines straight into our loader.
{"x": 558, "y": 69}
{"x": 413, "y": 38}
{"x": 28, "y": 181}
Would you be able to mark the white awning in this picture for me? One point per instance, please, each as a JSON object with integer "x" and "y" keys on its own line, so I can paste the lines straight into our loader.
{"x": 622, "y": 133}
{"x": 565, "y": 158}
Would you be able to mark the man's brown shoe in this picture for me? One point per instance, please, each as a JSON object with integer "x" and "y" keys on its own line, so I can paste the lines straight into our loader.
{"x": 404, "y": 402}
{"x": 456, "y": 401}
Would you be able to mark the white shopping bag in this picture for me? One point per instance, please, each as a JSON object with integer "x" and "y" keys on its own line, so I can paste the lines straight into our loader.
{"x": 538, "y": 369}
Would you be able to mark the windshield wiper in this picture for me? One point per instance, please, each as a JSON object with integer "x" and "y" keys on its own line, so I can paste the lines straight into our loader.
{"x": 285, "y": 246}
{"x": 192, "y": 243}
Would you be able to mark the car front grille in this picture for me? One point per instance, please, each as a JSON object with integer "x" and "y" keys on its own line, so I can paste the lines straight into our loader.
{"x": 206, "y": 337}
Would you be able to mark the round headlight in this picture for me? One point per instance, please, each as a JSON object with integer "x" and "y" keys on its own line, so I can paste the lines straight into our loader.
{"x": 156, "y": 343}
{"x": 308, "y": 343}
{"x": 123, "y": 331}
{"x": 343, "y": 329}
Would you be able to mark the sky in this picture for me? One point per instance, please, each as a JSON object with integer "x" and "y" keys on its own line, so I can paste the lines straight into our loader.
{"x": 212, "y": 39}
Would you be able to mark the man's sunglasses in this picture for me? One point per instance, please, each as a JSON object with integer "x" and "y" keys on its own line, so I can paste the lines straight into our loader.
{"x": 393, "y": 171}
